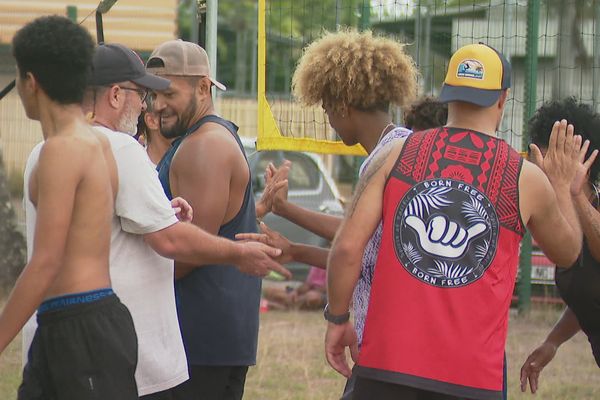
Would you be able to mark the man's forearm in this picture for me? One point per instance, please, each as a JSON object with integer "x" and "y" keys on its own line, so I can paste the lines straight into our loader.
{"x": 318, "y": 223}
{"x": 343, "y": 271}
{"x": 567, "y": 208}
{"x": 27, "y": 294}
{"x": 189, "y": 244}
{"x": 261, "y": 209}
{"x": 590, "y": 223}
{"x": 566, "y": 327}
{"x": 310, "y": 255}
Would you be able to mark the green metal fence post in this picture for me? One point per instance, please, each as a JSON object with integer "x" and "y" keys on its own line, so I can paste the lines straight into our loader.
{"x": 72, "y": 13}
{"x": 365, "y": 15}
{"x": 364, "y": 24}
{"x": 531, "y": 44}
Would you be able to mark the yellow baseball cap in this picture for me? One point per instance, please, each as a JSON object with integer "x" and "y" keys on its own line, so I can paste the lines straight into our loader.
{"x": 477, "y": 74}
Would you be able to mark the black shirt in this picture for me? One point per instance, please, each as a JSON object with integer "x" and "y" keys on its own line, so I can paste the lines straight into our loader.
{"x": 579, "y": 287}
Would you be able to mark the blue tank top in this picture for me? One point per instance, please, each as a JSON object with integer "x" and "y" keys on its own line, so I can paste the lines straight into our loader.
{"x": 217, "y": 305}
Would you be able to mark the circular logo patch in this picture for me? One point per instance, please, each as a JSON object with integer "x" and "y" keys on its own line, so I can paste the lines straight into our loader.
{"x": 445, "y": 232}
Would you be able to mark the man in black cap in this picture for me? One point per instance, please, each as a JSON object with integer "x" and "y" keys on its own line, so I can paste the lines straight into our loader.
{"x": 117, "y": 68}
{"x": 145, "y": 228}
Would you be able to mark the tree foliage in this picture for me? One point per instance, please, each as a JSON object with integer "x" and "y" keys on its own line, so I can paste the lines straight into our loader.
{"x": 12, "y": 243}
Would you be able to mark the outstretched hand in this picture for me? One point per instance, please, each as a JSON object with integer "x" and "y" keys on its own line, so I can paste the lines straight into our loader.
{"x": 271, "y": 238}
{"x": 535, "y": 363}
{"x": 258, "y": 259}
{"x": 276, "y": 185}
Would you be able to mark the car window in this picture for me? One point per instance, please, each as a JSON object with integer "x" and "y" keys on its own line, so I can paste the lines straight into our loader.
{"x": 304, "y": 174}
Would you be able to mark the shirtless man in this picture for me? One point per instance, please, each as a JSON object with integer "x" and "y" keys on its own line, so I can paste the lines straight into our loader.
{"x": 144, "y": 224}
{"x": 85, "y": 346}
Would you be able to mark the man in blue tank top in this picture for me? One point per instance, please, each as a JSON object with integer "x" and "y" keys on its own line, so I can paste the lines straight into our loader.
{"x": 217, "y": 306}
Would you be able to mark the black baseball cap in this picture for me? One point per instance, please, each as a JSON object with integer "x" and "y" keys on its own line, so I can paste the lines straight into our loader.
{"x": 116, "y": 63}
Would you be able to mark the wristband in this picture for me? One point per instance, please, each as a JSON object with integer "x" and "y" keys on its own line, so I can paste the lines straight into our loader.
{"x": 335, "y": 319}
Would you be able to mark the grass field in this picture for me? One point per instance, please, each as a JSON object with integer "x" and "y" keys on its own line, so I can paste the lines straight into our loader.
{"x": 292, "y": 366}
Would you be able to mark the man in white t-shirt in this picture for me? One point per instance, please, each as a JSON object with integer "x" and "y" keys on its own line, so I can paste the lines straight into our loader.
{"x": 145, "y": 228}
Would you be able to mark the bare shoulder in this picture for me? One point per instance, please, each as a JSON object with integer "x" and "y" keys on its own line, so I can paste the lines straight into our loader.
{"x": 384, "y": 160}
{"x": 532, "y": 179}
{"x": 73, "y": 149}
{"x": 63, "y": 148}
{"x": 377, "y": 171}
{"x": 210, "y": 142}
{"x": 102, "y": 139}
{"x": 534, "y": 190}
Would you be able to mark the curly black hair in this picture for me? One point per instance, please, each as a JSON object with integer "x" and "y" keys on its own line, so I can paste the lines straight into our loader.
{"x": 426, "y": 113}
{"x": 583, "y": 118}
{"x": 58, "y": 53}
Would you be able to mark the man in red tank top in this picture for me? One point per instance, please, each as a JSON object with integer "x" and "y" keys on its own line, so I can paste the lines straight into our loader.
{"x": 455, "y": 202}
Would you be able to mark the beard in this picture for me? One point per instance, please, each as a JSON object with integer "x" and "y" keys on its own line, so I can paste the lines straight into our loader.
{"x": 128, "y": 121}
{"x": 182, "y": 123}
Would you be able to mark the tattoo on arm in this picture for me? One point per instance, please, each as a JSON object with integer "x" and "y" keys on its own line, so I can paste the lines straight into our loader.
{"x": 375, "y": 165}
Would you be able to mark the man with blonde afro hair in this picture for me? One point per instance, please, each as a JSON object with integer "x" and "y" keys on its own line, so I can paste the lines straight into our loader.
{"x": 355, "y": 76}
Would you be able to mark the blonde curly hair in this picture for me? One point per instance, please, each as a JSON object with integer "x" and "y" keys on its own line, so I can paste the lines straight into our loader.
{"x": 355, "y": 69}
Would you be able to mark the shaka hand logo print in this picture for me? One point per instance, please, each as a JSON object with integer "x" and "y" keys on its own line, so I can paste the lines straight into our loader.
{"x": 442, "y": 237}
{"x": 445, "y": 232}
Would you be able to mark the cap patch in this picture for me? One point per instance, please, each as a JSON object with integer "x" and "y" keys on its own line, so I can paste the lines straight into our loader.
{"x": 471, "y": 69}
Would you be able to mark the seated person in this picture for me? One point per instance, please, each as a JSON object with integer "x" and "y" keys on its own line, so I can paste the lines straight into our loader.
{"x": 310, "y": 295}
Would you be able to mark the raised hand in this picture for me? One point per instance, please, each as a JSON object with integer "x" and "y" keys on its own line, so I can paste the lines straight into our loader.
{"x": 442, "y": 237}
{"x": 275, "y": 181}
{"x": 535, "y": 363}
{"x": 183, "y": 210}
{"x": 257, "y": 259}
{"x": 561, "y": 159}
{"x": 583, "y": 167}
{"x": 281, "y": 194}
{"x": 565, "y": 161}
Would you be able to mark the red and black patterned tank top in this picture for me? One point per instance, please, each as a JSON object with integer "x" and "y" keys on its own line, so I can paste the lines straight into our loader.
{"x": 445, "y": 273}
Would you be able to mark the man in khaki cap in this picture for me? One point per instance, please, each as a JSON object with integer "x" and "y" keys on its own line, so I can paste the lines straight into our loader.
{"x": 217, "y": 306}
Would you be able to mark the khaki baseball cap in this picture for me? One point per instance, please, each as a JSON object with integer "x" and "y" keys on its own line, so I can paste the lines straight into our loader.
{"x": 181, "y": 58}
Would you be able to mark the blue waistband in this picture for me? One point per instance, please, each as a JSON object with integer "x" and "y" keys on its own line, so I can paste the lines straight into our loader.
{"x": 60, "y": 302}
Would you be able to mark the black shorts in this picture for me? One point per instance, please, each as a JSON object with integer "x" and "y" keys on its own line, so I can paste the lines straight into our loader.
{"x": 595, "y": 343}
{"x": 212, "y": 383}
{"x": 369, "y": 389}
{"x": 85, "y": 351}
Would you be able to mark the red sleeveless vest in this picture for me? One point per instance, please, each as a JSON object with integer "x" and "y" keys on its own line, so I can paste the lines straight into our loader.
{"x": 445, "y": 273}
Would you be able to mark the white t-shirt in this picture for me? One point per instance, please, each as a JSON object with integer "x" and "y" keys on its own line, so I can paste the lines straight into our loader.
{"x": 141, "y": 278}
